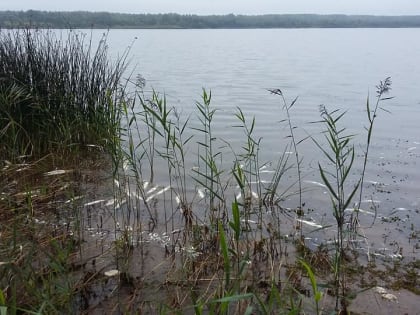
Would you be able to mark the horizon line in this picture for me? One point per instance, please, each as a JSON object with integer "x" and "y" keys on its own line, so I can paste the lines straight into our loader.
{"x": 212, "y": 14}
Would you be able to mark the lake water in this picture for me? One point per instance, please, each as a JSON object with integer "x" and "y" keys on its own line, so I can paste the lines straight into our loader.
{"x": 335, "y": 67}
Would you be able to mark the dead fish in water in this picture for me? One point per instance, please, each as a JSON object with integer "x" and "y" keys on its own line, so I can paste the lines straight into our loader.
{"x": 359, "y": 210}
{"x": 248, "y": 221}
{"x": 158, "y": 193}
{"x": 94, "y": 202}
{"x": 385, "y": 295}
{"x": 74, "y": 199}
{"x": 310, "y": 223}
{"x": 264, "y": 169}
{"x": 112, "y": 273}
{"x": 201, "y": 193}
{"x": 153, "y": 189}
{"x": 117, "y": 183}
{"x": 371, "y": 201}
{"x": 135, "y": 195}
{"x": 57, "y": 172}
{"x": 110, "y": 202}
{"x": 253, "y": 195}
{"x": 315, "y": 183}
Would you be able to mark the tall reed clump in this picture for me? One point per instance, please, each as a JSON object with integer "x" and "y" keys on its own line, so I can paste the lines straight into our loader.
{"x": 294, "y": 145}
{"x": 340, "y": 153}
{"x": 57, "y": 93}
{"x": 209, "y": 171}
{"x": 56, "y": 90}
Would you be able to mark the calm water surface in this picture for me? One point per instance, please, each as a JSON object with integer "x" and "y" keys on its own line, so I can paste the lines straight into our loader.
{"x": 335, "y": 67}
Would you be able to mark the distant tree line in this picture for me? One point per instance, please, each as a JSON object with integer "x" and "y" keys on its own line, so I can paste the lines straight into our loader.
{"x": 81, "y": 19}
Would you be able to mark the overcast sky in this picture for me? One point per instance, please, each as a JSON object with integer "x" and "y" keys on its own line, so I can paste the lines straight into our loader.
{"x": 376, "y": 7}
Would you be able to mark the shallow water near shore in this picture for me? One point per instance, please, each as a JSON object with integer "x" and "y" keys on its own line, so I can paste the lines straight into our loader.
{"x": 338, "y": 68}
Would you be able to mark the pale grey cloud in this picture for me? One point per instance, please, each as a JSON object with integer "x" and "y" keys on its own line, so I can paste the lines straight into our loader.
{"x": 377, "y": 7}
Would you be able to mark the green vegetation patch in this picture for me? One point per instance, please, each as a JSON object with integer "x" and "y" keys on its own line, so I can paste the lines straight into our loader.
{"x": 55, "y": 91}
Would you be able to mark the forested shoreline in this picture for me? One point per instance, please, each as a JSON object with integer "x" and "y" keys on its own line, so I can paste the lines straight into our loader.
{"x": 84, "y": 19}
